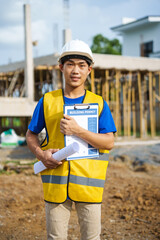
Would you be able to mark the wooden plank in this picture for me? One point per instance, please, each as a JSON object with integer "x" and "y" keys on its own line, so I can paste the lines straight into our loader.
{"x": 103, "y": 89}
{"x": 112, "y": 87}
{"x": 48, "y": 76}
{"x": 99, "y": 88}
{"x": 107, "y": 86}
{"x": 140, "y": 104}
{"x": 92, "y": 81}
{"x": 159, "y": 83}
{"x": 22, "y": 91}
{"x": 41, "y": 81}
{"x": 117, "y": 101}
{"x": 159, "y": 95}
{"x": 59, "y": 76}
{"x": 151, "y": 105}
{"x": 7, "y": 84}
{"x": 3, "y": 78}
{"x": 13, "y": 83}
{"x": 154, "y": 103}
{"x": 129, "y": 103}
{"x": 145, "y": 106}
{"x": 120, "y": 119}
{"x": 55, "y": 79}
{"x": 124, "y": 108}
{"x": 8, "y": 73}
{"x": 134, "y": 111}
{"x": 44, "y": 67}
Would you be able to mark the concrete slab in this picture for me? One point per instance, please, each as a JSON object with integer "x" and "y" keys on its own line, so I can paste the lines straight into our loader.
{"x": 16, "y": 107}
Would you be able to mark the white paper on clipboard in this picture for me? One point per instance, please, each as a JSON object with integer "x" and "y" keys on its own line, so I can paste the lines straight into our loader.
{"x": 86, "y": 115}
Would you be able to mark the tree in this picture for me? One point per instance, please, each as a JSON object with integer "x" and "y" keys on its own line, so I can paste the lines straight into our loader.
{"x": 102, "y": 44}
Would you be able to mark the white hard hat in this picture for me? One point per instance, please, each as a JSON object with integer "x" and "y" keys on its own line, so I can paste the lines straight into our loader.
{"x": 76, "y": 49}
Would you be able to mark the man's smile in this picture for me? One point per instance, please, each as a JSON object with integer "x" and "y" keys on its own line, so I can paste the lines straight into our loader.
{"x": 74, "y": 78}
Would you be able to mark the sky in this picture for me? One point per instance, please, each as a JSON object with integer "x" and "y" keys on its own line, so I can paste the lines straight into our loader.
{"x": 85, "y": 18}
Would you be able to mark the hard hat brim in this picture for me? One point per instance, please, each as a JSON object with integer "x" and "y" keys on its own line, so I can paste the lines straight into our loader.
{"x": 78, "y": 54}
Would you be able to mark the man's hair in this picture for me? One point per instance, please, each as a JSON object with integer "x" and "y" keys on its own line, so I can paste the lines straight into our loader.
{"x": 73, "y": 56}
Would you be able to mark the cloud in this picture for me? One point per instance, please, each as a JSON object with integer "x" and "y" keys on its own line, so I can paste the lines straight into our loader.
{"x": 12, "y": 35}
{"x": 11, "y": 13}
{"x": 48, "y": 10}
{"x": 87, "y": 18}
{"x": 40, "y": 30}
{"x": 91, "y": 21}
{"x": 93, "y": 17}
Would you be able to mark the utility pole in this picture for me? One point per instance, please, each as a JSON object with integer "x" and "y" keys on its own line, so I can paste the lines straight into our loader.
{"x": 55, "y": 37}
{"x": 29, "y": 70}
{"x": 67, "y": 36}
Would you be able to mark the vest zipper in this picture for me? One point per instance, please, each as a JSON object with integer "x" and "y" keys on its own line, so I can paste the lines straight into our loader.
{"x": 68, "y": 178}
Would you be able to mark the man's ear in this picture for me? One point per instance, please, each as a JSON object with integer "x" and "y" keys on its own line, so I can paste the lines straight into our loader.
{"x": 61, "y": 67}
{"x": 89, "y": 69}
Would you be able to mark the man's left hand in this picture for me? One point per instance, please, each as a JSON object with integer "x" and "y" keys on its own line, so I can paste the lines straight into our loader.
{"x": 68, "y": 125}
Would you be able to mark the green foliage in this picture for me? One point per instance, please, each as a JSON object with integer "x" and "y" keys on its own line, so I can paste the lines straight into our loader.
{"x": 103, "y": 45}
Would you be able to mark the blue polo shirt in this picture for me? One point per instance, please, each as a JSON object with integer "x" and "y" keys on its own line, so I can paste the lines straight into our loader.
{"x": 106, "y": 122}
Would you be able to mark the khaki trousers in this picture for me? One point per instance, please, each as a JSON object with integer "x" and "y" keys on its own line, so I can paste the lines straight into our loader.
{"x": 57, "y": 219}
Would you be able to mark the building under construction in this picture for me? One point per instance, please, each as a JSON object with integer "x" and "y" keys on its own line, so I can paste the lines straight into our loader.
{"x": 130, "y": 85}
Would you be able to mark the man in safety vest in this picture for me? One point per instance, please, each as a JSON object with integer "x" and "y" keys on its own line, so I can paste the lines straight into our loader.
{"x": 79, "y": 181}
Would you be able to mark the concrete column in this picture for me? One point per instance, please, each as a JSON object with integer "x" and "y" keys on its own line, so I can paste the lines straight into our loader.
{"x": 67, "y": 35}
{"x": 29, "y": 70}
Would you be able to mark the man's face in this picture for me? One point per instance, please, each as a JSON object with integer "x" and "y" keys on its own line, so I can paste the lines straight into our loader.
{"x": 75, "y": 72}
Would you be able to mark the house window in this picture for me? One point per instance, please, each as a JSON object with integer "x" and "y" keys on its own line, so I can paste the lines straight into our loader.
{"x": 146, "y": 49}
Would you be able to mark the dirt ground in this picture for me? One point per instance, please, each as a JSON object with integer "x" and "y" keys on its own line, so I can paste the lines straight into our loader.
{"x": 130, "y": 208}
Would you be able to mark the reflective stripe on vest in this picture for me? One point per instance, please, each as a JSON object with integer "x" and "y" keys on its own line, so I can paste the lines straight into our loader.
{"x": 83, "y": 180}
{"x": 79, "y": 180}
{"x": 103, "y": 156}
{"x": 86, "y": 181}
{"x": 54, "y": 179}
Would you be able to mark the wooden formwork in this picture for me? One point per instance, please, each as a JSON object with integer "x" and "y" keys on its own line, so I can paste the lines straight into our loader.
{"x": 12, "y": 83}
{"x": 133, "y": 96}
{"x": 134, "y": 100}
{"x": 46, "y": 78}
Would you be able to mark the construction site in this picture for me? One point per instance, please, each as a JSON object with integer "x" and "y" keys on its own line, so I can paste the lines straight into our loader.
{"x": 131, "y": 87}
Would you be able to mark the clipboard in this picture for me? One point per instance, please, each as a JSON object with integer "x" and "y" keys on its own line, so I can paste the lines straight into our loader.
{"x": 86, "y": 115}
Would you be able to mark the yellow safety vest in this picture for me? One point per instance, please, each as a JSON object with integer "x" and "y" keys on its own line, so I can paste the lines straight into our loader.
{"x": 80, "y": 180}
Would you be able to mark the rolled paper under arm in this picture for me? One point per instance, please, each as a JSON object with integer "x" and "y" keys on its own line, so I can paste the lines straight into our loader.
{"x": 59, "y": 155}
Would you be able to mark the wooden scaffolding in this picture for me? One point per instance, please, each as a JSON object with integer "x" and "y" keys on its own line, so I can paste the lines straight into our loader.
{"x": 131, "y": 87}
{"x": 134, "y": 100}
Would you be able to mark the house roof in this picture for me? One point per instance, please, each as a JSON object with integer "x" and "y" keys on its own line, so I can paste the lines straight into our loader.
{"x": 48, "y": 60}
{"x": 102, "y": 61}
{"x": 136, "y": 23}
{"x": 106, "y": 61}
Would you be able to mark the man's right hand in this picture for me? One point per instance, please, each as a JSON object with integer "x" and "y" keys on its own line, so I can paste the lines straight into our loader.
{"x": 44, "y": 156}
{"x": 48, "y": 160}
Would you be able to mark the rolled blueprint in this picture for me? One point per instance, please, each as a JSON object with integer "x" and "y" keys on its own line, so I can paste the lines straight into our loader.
{"x": 59, "y": 155}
